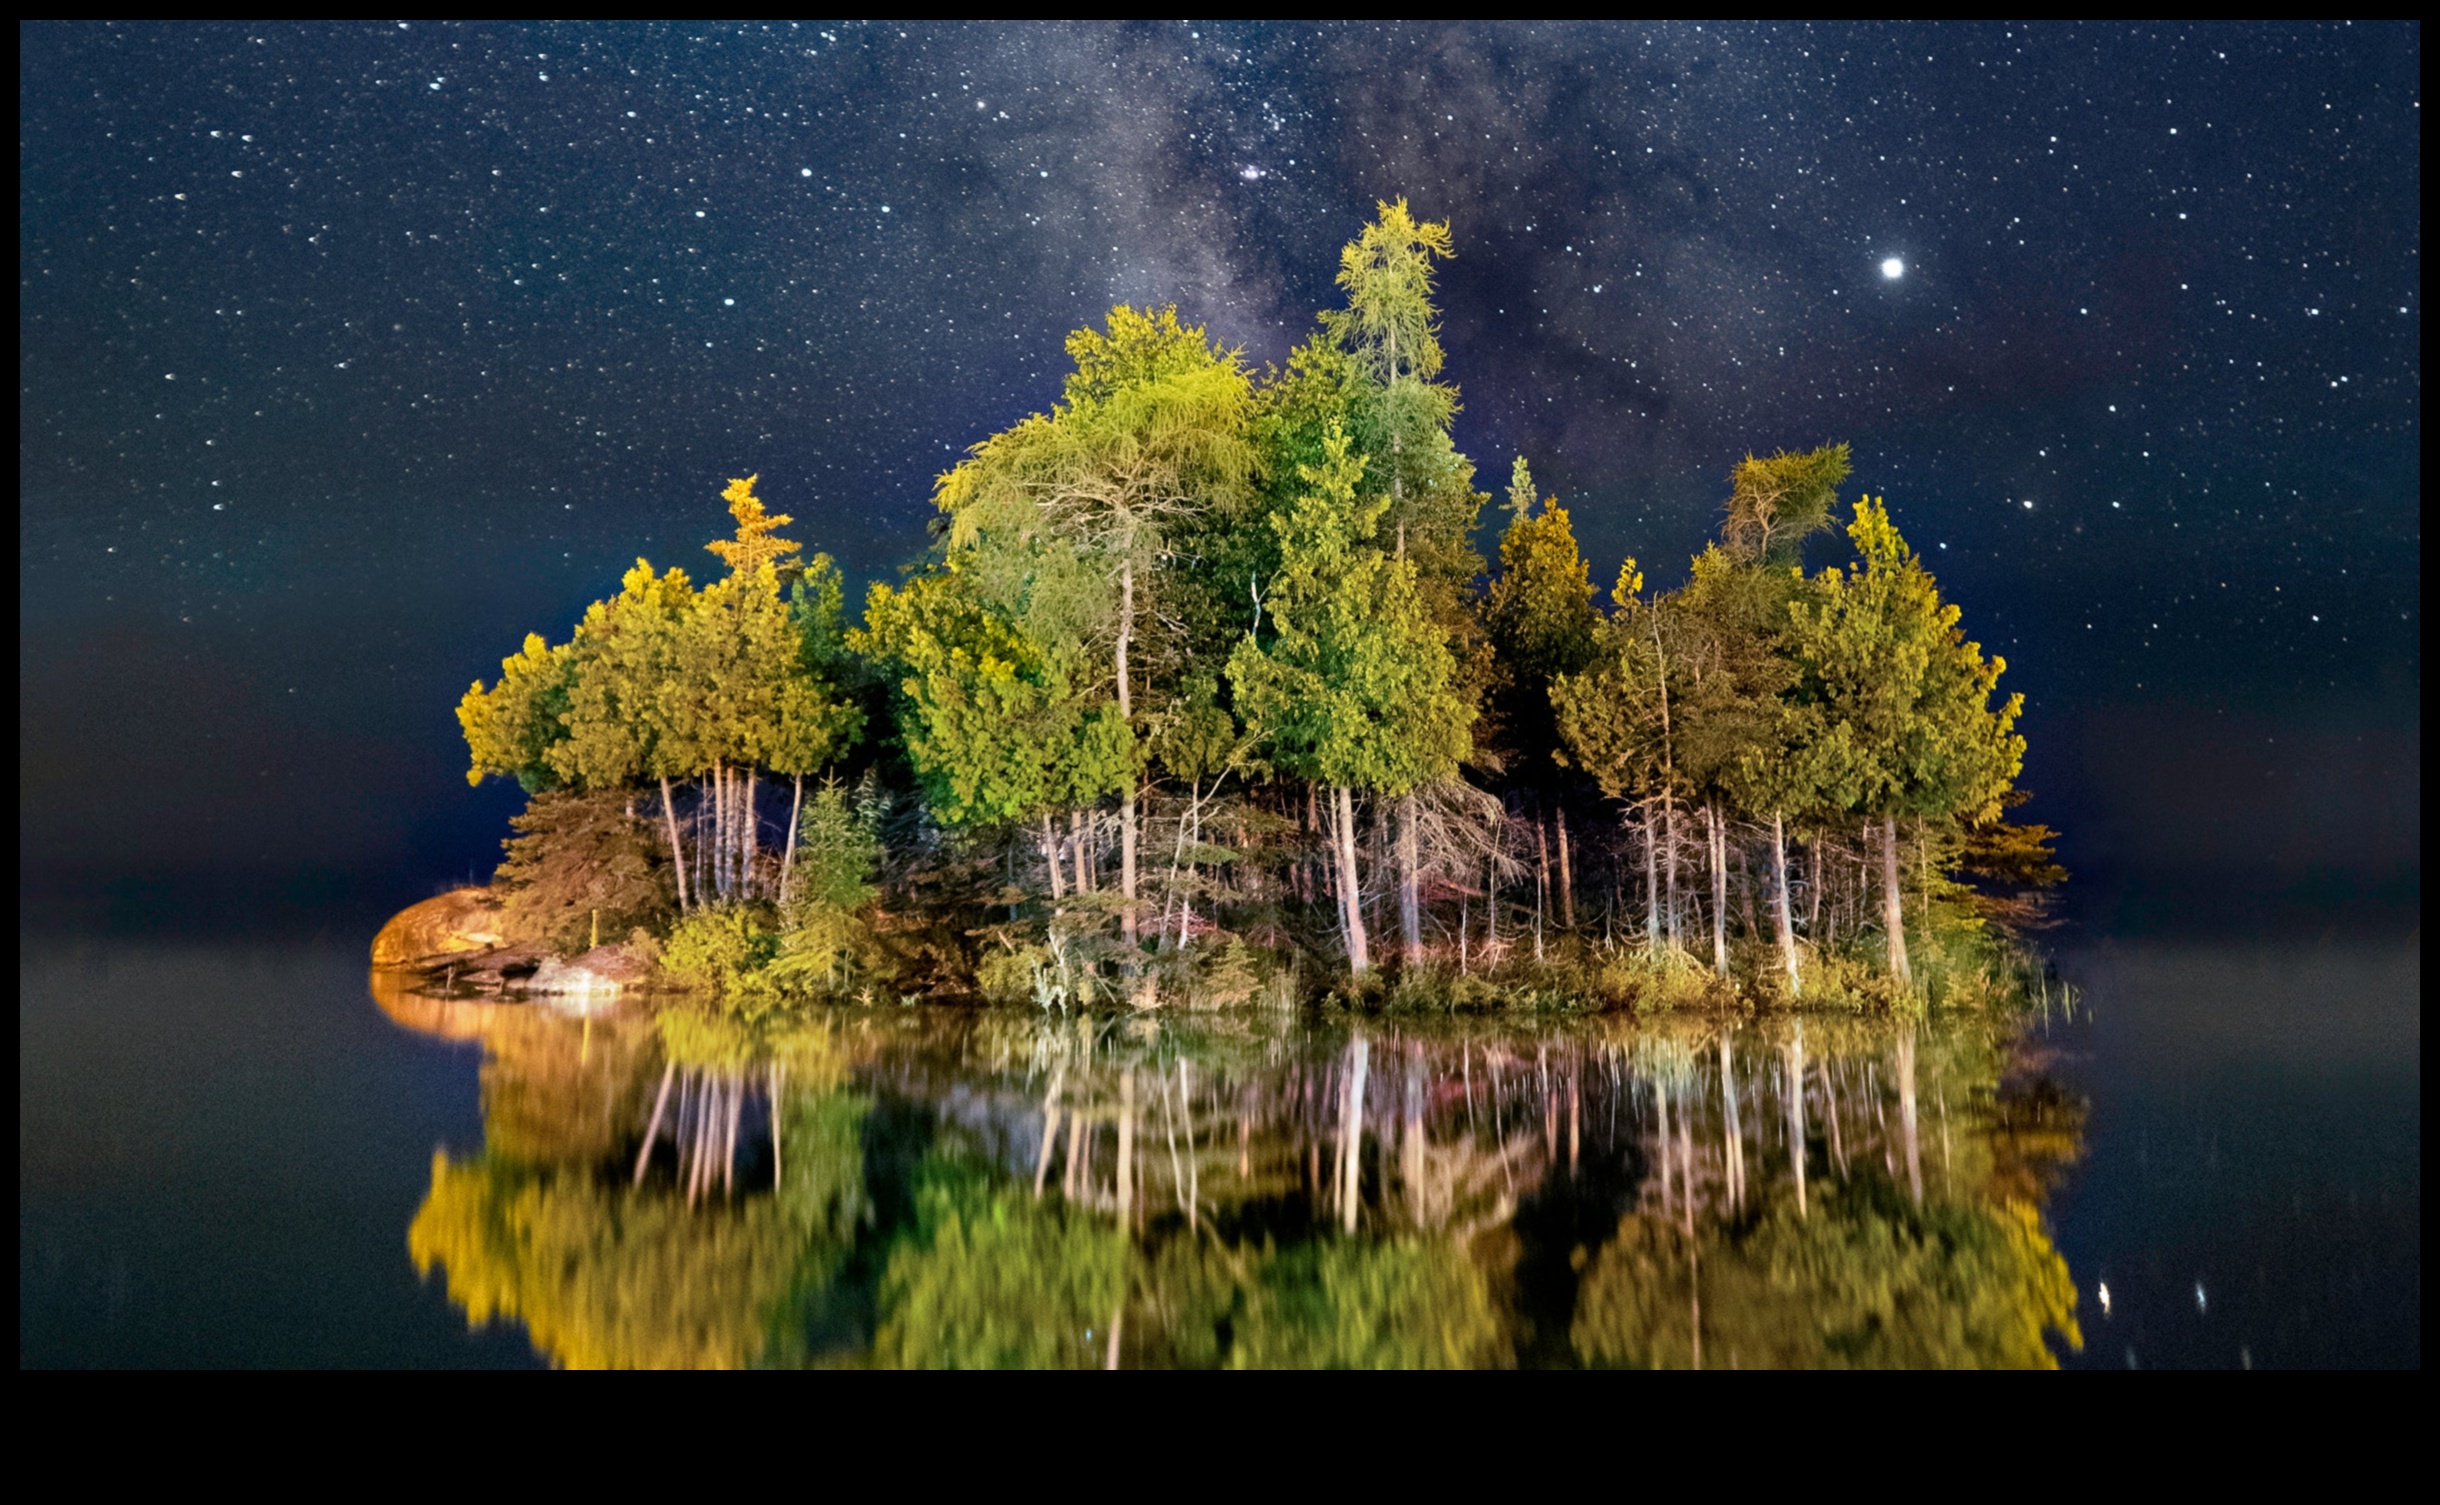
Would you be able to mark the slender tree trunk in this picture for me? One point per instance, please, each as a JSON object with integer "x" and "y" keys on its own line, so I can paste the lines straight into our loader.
{"x": 1813, "y": 899}
{"x": 1652, "y": 882}
{"x": 787, "y": 863}
{"x": 1050, "y": 857}
{"x": 1719, "y": 889}
{"x": 1567, "y": 873}
{"x": 1410, "y": 899}
{"x": 753, "y": 815}
{"x": 1780, "y": 917}
{"x": 1359, "y": 954}
{"x": 677, "y": 848}
{"x": 1541, "y": 881}
{"x": 1084, "y": 869}
{"x": 1892, "y": 908}
{"x": 1669, "y": 860}
{"x": 1126, "y": 710}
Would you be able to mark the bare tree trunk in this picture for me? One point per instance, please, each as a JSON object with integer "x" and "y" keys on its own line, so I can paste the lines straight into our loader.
{"x": 787, "y": 864}
{"x": 1541, "y": 881}
{"x": 1567, "y": 874}
{"x": 1652, "y": 881}
{"x": 1084, "y": 868}
{"x": 1126, "y": 710}
{"x": 1410, "y": 900}
{"x": 1050, "y": 856}
{"x": 677, "y": 848}
{"x": 1813, "y": 899}
{"x": 1780, "y": 917}
{"x": 753, "y": 822}
{"x": 1669, "y": 860}
{"x": 1359, "y": 954}
{"x": 1351, "y": 1136}
{"x": 1719, "y": 889}
{"x": 1892, "y": 911}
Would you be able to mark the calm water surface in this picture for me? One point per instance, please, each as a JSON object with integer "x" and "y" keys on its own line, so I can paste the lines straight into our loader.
{"x": 232, "y": 1157}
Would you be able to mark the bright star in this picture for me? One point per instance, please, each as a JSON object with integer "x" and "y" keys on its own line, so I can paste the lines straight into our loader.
{"x": 1893, "y": 268}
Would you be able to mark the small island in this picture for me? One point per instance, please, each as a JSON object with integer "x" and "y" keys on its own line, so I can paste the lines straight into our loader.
{"x": 1203, "y": 694}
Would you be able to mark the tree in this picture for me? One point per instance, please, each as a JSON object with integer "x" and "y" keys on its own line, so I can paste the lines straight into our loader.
{"x": 1904, "y": 700}
{"x": 1067, "y": 513}
{"x": 1353, "y": 686}
{"x": 1540, "y": 614}
{"x": 1381, "y": 389}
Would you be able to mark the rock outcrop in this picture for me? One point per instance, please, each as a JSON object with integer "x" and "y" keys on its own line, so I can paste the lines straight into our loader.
{"x": 463, "y": 923}
{"x": 602, "y": 970}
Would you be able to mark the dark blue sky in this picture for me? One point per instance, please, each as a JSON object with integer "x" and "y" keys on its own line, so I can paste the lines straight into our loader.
{"x": 349, "y": 354}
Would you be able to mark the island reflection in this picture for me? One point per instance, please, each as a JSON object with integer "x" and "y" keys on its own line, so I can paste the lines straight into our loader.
{"x": 949, "y": 1189}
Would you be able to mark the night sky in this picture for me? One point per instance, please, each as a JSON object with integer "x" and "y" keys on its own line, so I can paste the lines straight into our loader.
{"x": 348, "y": 355}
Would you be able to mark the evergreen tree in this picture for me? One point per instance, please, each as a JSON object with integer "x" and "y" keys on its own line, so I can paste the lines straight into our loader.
{"x": 1541, "y": 617}
{"x": 1904, "y": 700}
{"x": 1353, "y": 685}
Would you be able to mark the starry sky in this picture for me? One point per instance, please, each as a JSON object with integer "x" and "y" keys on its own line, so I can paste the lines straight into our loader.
{"x": 349, "y": 354}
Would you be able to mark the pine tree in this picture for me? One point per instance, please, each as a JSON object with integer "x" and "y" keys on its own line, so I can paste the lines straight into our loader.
{"x": 1353, "y": 685}
{"x": 1541, "y": 618}
{"x": 1907, "y": 724}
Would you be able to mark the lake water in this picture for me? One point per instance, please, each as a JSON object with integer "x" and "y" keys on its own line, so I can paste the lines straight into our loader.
{"x": 252, "y": 1157}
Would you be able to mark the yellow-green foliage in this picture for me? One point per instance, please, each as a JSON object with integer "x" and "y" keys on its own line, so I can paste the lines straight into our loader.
{"x": 991, "y": 1279}
{"x": 1867, "y": 1281}
{"x": 1398, "y": 1304}
{"x": 720, "y": 951}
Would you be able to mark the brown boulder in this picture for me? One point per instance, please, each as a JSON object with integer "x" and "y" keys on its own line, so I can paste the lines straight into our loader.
{"x": 464, "y": 922}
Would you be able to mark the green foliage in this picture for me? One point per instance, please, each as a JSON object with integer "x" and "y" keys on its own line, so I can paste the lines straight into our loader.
{"x": 1867, "y": 1281}
{"x": 1540, "y": 615}
{"x": 1904, "y": 698}
{"x": 512, "y": 727}
{"x": 1353, "y": 686}
{"x": 722, "y": 951}
{"x": 1774, "y": 504}
{"x": 582, "y": 863}
{"x": 1393, "y": 1304}
{"x": 990, "y": 1279}
{"x": 995, "y": 727}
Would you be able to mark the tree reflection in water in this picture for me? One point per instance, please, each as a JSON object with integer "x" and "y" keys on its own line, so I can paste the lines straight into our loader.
{"x": 926, "y": 1188}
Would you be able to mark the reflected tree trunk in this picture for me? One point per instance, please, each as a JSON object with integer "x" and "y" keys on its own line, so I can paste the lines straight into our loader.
{"x": 1796, "y": 1113}
{"x": 1732, "y": 1129}
{"x": 1906, "y": 1112}
{"x": 652, "y": 1131}
{"x": 1351, "y": 1134}
{"x": 1126, "y": 1148}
